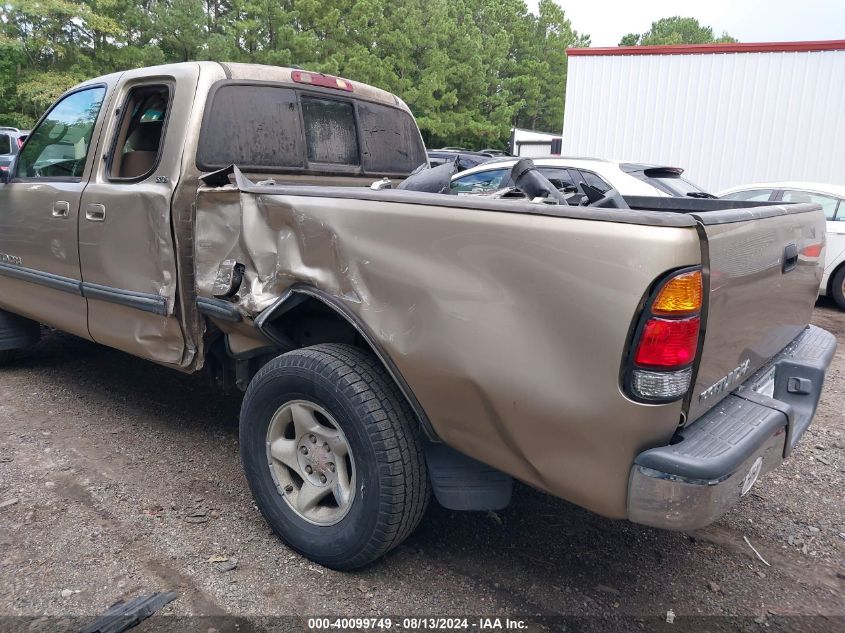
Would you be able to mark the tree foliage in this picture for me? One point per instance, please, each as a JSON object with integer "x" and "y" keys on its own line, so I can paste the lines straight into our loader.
{"x": 675, "y": 30}
{"x": 469, "y": 69}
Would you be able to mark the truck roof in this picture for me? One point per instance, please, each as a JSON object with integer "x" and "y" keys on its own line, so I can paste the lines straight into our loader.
{"x": 274, "y": 74}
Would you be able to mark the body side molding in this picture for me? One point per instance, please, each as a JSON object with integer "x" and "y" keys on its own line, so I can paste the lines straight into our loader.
{"x": 218, "y": 309}
{"x": 49, "y": 280}
{"x": 147, "y": 302}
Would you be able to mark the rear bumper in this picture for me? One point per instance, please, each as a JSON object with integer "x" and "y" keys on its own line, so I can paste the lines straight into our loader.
{"x": 692, "y": 482}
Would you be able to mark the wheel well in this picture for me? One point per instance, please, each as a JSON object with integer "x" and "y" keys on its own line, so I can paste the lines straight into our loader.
{"x": 305, "y": 316}
{"x": 833, "y": 273}
{"x": 307, "y": 321}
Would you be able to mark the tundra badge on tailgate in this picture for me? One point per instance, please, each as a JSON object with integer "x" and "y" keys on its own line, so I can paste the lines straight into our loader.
{"x": 723, "y": 383}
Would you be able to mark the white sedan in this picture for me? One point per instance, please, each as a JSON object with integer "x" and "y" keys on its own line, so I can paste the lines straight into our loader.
{"x": 629, "y": 179}
{"x": 832, "y": 200}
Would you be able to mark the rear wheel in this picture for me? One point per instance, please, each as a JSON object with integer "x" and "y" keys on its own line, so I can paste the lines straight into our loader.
{"x": 837, "y": 287}
{"x": 333, "y": 455}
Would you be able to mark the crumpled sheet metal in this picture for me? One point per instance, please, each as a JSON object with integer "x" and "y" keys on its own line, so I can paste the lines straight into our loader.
{"x": 510, "y": 329}
{"x": 278, "y": 246}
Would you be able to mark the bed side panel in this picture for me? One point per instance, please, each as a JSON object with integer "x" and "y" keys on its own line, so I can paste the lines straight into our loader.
{"x": 509, "y": 328}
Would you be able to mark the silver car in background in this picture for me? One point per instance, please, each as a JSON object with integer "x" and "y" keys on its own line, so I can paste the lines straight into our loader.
{"x": 832, "y": 200}
{"x": 568, "y": 174}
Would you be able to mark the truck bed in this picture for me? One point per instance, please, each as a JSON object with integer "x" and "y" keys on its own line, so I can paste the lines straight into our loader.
{"x": 510, "y": 320}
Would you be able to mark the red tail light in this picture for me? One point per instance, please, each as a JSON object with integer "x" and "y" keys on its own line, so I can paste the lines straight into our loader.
{"x": 667, "y": 344}
{"x": 19, "y": 141}
{"x": 813, "y": 250}
{"x": 663, "y": 349}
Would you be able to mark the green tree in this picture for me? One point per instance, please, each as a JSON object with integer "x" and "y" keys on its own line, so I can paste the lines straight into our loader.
{"x": 554, "y": 34}
{"x": 469, "y": 69}
{"x": 675, "y": 30}
{"x": 631, "y": 39}
{"x": 180, "y": 28}
{"x": 11, "y": 59}
{"x": 51, "y": 39}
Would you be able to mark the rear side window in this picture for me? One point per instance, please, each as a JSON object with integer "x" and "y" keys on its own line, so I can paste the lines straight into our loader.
{"x": 828, "y": 204}
{"x": 276, "y": 129}
{"x": 759, "y": 195}
{"x": 137, "y": 144}
{"x": 594, "y": 181}
{"x": 560, "y": 178}
{"x": 5, "y": 144}
{"x": 480, "y": 182}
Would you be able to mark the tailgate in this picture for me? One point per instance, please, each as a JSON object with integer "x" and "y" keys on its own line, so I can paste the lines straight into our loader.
{"x": 762, "y": 274}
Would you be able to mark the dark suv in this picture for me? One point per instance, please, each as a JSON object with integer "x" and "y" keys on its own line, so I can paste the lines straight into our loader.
{"x": 11, "y": 141}
{"x": 465, "y": 159}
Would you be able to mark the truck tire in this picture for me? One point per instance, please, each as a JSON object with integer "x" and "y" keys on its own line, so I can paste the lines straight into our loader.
{"x": 333, "y": 455}
{"x": 16, "y": 333}
{"x": 837, "y": 287}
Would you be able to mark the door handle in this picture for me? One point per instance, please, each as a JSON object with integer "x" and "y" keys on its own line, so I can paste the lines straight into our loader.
{"x": 95, "y": 212}
{"x": 61, "y": 209}
{"x": 790, "y": 257}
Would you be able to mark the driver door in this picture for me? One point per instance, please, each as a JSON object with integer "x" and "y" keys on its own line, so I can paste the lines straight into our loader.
{"x": 39, "y": 207}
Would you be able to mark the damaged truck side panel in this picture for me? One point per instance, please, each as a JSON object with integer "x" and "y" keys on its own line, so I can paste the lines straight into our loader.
{"x": 644, "y": 358}
{"x": 482, "y": 313}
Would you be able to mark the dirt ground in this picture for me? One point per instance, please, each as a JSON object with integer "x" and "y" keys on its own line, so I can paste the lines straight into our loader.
{"x": 119, "y": 477}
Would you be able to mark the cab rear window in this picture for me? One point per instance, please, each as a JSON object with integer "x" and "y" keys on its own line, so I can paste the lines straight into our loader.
{"x": 389, "y": 138}
{"x": 276, "y": 129}
{"x": 330, "y": 134}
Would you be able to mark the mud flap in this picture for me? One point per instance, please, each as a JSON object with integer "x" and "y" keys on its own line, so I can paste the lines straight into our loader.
{"x": 16, "y": 332}
{"x": 462, "y": 483}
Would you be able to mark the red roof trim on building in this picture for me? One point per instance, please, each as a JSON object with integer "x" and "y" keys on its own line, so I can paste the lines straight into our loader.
{"x": 691, "y": 49}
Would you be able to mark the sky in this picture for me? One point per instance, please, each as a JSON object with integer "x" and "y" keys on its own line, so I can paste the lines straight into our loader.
{"x": 606, "y": 21}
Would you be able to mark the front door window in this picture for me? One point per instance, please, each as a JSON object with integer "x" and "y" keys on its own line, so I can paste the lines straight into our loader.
{"x": 58, "y": 147}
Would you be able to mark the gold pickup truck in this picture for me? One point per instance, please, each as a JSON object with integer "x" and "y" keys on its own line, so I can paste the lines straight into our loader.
{"x": 645, "y": 358}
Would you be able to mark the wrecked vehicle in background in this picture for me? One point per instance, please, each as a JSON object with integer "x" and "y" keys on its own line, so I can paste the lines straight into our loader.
{"x": 463, "y": 159}
{"x": 588, "y": 178}
{"x": 645, "y": 358}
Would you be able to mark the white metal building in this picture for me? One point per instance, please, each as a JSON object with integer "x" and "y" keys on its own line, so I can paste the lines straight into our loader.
{"x": 729, "y": 114}
{"x": 532, "y": 143}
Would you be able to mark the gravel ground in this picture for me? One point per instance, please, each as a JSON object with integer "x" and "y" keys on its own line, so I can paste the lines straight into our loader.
{"x": 119, "y": 477}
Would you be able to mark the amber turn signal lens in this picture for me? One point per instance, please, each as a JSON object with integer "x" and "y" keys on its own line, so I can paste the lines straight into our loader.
{"x": 681, "y": 294}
